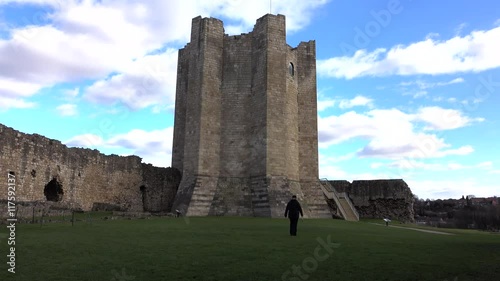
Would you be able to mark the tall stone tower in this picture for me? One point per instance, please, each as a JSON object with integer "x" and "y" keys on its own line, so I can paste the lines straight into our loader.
{"x": 245, "y": 135}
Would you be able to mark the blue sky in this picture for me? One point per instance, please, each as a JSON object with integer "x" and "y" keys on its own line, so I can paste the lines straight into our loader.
{"x": 406, "y": 89}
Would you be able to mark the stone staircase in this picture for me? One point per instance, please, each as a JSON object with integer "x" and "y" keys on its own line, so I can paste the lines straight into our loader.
{"x": 314, "y": 204}
{"x": 350, "y": 213}
{"x": 260, "y": 197}
{"x": 203, "y": 195}
{"x": 344, "y": 204}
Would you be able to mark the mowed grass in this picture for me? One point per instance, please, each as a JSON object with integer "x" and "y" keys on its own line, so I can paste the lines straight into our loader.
{"x": 225, "y": 248}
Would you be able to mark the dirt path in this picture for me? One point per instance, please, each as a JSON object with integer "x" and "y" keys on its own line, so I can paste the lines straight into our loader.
{"x": 418, "y": 229}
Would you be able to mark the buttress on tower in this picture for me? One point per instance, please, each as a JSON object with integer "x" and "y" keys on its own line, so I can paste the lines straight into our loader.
{"x": 245, "y": 131}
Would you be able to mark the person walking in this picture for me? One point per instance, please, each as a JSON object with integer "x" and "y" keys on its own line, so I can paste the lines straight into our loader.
{"x": 292, "y": 211}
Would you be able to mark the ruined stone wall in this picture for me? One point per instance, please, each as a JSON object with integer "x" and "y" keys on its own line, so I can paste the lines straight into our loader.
{"x": 158, "y": 188}
{"x": 88, "y": 178}
{"x": 379, "y": 198}
{"x": 341, "y": 185}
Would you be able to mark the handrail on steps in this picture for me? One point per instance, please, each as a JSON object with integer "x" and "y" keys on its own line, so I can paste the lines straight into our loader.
{"x": 337, "y": 195}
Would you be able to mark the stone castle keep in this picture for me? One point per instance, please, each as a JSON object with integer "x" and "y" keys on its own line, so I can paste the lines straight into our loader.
{"x": 245, "y": 136}
{"x": 245, "y": 140}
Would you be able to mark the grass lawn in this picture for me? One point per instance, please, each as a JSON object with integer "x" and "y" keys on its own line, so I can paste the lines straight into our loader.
{"x": 224, "y": 248}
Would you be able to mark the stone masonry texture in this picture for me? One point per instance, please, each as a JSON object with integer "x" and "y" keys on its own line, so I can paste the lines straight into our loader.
{"x": 245, "y": 133}
{"x": 379, "y": 198}
{"x": 88, "y": 179}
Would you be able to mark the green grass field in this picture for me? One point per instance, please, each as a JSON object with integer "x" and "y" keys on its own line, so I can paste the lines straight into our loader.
{"x": 222, "y": 248}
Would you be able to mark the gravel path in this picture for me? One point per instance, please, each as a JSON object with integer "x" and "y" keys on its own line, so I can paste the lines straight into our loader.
{"x": 418, "y": 229}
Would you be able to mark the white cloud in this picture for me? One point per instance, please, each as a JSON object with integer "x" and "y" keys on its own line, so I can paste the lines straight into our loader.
{"x": 72, "y": 94}
{"x": 454, "y": 81}
{"x": 356, "y": 101}
{"x": 67, "y": 109}
{"x": 37, "y": 2}
{"x": 420, "y": 146}
{"x": 244, "y": 13}
{"x": 438, "y": 118}
{"x": 85, "y": 141}
{"x": 420, "y": 94}
{"x": 463, "y": 150}
{"x": 331, "y": 172}
{"x": 152, "y": 146}
{"x": 328, "y": 167}
{"x": 460, "y": 28}
{"x": 410, "y": 164}
{"x": 419, "y": 88}
{"x": 471, "y": 102}
{"x": 474, "y": 52}
{"x": 432, "y": 35}
{"x": 391, "y": 133}
{"x": 148, "y": 141}
{"x": 427, "y": 85}
{"x": 336, "y": 173}
{"x": 13, "y": 93}
{"x": 337, "y": 129}
{"x": 72, "y": 48}
{"x": 376, "y": 165}
{"x": 324, "y": 104}
{"x": 8, "y": 102}
{"x": 148, "y": 81}
{"x": 360, "y": 64}
{"x": 486, "y": 165}
{"x": 439, "y": 189}
{"x": 413, "y": 164}
{"x": 14, "y": 88}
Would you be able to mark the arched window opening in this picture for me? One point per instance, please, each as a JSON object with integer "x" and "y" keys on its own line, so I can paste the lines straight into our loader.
{"x": 291, "y": 69}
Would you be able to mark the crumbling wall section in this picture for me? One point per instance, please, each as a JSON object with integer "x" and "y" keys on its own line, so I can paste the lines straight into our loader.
{"x": 88, "y": 179}
{"x": 391, "y": 198}
{"x": 159, "y": 186}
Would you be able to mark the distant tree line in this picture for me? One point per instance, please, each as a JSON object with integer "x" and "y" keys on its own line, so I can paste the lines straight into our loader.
{"x": 467, "y": 212}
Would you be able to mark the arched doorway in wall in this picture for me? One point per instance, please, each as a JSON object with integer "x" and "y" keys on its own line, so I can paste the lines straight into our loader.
{"x": 142, "y": 188}
{"x": 53, "y": 190}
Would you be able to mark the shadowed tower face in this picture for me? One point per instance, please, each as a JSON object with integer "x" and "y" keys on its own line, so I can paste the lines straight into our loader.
{"x": 245, "y": 134}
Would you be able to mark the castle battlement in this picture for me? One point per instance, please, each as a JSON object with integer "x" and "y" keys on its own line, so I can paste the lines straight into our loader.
{"x": 245, "y": 135}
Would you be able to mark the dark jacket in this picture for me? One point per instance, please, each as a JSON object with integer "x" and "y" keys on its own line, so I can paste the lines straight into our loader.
{"x": 293, "y": 209}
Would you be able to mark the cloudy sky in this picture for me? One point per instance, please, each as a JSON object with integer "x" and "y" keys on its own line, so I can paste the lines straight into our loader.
{"x": 406, "y": 89}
